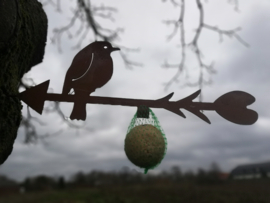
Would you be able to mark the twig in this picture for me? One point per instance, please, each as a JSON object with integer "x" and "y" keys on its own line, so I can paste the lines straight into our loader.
{"x": 204, "y": 68}
{"x": 180, "y": 24}
{"x": 230, "y": 33}
{"x": 87, "y": 13}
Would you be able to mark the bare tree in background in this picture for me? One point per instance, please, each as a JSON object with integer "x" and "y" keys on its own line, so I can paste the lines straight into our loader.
{"x": 88, "y": 16}
{"x": 179, "y": 26}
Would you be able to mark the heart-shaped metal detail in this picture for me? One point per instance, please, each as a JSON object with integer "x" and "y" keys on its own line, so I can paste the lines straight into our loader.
{"x": 233, "y": 107}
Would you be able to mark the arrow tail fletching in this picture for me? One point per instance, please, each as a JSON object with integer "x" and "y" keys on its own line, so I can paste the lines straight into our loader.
{"x": 192, "y": 96}
{"x": 198, "y": 113}
{"x": 166, "y": 98}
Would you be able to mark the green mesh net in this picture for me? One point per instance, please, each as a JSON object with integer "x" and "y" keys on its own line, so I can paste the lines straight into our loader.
{"x": 145, "y": 116}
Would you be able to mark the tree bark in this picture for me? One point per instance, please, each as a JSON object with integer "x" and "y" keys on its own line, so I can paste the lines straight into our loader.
{"x": 23, "y": 34}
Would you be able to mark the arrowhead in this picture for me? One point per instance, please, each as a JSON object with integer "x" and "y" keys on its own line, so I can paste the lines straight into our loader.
{"x": 36, "y": 96}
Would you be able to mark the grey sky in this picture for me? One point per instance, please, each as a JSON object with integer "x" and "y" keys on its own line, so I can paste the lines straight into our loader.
{"x": 192, "y": 143}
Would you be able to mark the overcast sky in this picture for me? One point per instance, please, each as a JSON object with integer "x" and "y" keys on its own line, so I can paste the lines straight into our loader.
{"x": 192, "y": 143}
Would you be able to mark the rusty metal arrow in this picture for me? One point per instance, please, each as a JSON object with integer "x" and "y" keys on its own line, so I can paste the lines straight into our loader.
{"x": 231, "y": 106}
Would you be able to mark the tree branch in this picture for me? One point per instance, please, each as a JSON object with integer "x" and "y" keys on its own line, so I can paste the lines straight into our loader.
{"x": 193, "y": 45}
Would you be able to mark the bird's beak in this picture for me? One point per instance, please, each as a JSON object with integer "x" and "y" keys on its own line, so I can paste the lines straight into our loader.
{"x": 115, "y": 49}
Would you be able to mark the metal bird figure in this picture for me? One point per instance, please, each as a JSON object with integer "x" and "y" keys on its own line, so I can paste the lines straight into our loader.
{"x": 91, "y": 68}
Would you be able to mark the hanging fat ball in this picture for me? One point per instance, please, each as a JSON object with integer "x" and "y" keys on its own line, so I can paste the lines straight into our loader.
{"x": 145, "y": 146}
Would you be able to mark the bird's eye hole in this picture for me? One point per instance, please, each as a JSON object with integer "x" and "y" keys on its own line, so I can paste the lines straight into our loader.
{"x": 105, "y": 47}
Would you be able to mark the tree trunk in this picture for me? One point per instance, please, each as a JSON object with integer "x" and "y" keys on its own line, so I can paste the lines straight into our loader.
{"x": 23, "y": 33}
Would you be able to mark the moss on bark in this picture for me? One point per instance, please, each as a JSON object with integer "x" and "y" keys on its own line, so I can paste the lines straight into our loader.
{"x": 24, "y": 49}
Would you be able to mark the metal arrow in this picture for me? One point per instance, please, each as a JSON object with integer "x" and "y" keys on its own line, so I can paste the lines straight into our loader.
{"x": 231, "y": 106}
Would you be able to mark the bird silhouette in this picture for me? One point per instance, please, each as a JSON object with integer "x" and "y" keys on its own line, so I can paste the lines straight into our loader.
{"x": 91, "y": 68}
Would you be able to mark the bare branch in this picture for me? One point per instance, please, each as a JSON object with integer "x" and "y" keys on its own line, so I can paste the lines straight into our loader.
{"x": 58, "y": 32}
{"x": 31, "y": 134}
{"x": 230, "y": 33}
{"x": 56, "y": 109}
{"x": 193, "y": 45}
{"x": 52, "y": 3}
{"x": 173, "y": 2}
{"x": 128, "y": 63}
{"x": 235, "y": 3}
{"x": 178, "y": 24}
{"x": 82, "y": 37}
{"x": 86, "y": 14}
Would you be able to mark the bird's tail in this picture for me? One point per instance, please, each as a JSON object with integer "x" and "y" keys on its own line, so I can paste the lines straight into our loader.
{"x": 79, "y": 108}
{"x": 79, "y": 111}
